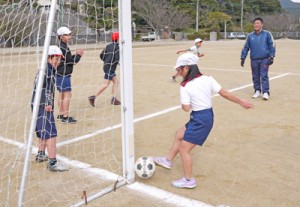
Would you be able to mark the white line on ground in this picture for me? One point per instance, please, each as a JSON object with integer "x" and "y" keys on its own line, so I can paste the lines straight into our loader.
{"x": 208, "y": 68}
{"x": 12, "y": 142}
{"x": 165, "y": 196}
{"x": 145, "y": 190}
{"x": 245, "y": 86}
{"x": 81, "y": 138}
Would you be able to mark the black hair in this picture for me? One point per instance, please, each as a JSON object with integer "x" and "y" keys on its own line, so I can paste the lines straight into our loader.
{"x": 193, "y": 72}
{"x": 258, "y": 18}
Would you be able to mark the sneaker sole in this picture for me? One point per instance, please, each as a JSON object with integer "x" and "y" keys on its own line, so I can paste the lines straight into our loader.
{"x": 68, "y": 122}
{"x": 39, "y": 160}
{"x": 164, "y": 166}
{"x": 51, "y": 170}
{"x": 188, "y": 187}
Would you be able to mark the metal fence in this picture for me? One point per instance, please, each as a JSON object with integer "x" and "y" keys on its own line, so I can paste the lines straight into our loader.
{"x": 39, "y": 41}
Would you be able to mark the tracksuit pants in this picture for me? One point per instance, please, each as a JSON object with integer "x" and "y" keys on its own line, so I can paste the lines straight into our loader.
{"x": 260, "y": 78}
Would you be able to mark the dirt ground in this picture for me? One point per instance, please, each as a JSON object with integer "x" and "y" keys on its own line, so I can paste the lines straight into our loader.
{"x": 251, "y": 157}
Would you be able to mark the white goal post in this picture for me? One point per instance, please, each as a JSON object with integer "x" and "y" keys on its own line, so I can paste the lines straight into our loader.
{"x": 126, "y": 89}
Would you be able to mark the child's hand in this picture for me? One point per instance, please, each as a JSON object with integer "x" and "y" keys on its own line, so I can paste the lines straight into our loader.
{"x": 48, "y": 108}
{"x": 246, "y": 104}
{"x": 79, "y": 52}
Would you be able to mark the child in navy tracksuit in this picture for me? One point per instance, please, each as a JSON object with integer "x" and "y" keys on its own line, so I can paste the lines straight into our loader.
{"x": 45, "y": 125}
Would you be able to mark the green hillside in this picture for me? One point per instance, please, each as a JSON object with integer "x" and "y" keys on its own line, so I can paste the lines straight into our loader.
{"x": 291, "y": 7}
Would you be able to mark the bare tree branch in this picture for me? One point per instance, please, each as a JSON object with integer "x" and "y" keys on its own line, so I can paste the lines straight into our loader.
{"x": 160, "y": 14}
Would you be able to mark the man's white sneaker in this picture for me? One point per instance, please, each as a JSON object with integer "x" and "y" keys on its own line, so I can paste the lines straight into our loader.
{"x": 256, "y": 94}
{"x": 265, "y": 96}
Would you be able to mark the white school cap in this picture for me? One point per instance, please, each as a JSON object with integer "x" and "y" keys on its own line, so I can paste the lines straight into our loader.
{"x": 198, "y": 40}
{"x": 63, "y": 31}
{"x": 54, "y": 50}
{"x": 186, "y": 59}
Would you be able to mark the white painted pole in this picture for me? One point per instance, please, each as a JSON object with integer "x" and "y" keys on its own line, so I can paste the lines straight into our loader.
{"x": 197, "y": 16}
{"x": 242, "y": 14}
{"x": 126, "y": 89}
{"x": 225, "y": 30}
{"x": 36, "y": 102}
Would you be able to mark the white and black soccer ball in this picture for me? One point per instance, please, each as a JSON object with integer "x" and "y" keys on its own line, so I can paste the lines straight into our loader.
{"x": 144, "y": 167}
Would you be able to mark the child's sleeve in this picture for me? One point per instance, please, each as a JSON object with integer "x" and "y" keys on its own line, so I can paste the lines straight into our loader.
{"x": 49, "y": 93}
{"x": 117, "y": 55}
{"x": 102, "y": 55}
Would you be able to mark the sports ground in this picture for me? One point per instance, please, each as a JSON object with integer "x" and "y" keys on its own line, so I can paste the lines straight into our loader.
{"x": 251, "y": 157}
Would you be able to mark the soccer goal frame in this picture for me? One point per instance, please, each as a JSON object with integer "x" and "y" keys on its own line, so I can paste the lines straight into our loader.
{"x": 126, "y": 100}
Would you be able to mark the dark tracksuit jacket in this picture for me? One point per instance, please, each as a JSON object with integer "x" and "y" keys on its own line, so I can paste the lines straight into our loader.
{"x": 110, "y": 56}
{"x": 48, "y": 89}
{"x": 67, "y": 62}
{"x": 261, "y": 46}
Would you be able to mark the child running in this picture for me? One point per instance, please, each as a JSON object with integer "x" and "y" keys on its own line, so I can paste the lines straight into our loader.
{"x": 110, "y": 56}
{"x": 195, "y": 49}
{"x": 196, "y": 95}
{"x": 45, "y": 125}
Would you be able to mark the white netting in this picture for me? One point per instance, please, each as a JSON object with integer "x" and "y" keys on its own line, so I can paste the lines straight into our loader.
{"x": 92, "y": 146}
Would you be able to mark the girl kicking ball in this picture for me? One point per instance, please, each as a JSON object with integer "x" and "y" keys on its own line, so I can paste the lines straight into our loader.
{"x": 196, "y": 96}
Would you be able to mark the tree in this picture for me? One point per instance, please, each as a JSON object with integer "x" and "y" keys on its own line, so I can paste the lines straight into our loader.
{"x": 217, "y": 19}
{"x": 278, "y": 22}
{"x": 259, "y": 7}
{"x": 17, "y": 31}
{"x": 100, "y": 14}
{"x": 160, "y": 14}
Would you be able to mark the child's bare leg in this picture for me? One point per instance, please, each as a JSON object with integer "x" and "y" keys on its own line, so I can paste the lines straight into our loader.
{"x": 41, "y": 145}
{"x": 66, "y": 103}
{"x": 103, "y": 87}
{"x": 115, "y": 86}
{"x": 186, "y": 158}
{"x": 51, "y": 147}
{"x": 60, "y": 103}
{"x": 176, "y": 143}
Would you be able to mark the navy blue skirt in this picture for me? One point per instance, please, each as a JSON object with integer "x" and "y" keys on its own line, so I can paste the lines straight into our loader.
{"x": 199, "y": 126}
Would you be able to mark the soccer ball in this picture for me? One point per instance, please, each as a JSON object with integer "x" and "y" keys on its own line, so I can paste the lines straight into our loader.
{"x": 144, "y": 167}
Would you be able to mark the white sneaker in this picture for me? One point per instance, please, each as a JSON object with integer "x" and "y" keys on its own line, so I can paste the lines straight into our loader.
{"x": 162, "y": 161}
{"x": 58, "y": 167}
{"x": 265, "y": 96}
{"x": 256, "y": 94}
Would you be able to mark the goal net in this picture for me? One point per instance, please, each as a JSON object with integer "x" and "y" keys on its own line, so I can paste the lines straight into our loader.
{"x": 91, "y": 148}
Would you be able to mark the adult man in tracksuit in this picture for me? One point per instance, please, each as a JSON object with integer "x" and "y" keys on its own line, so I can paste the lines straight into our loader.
{"x": 262, "y": 53}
